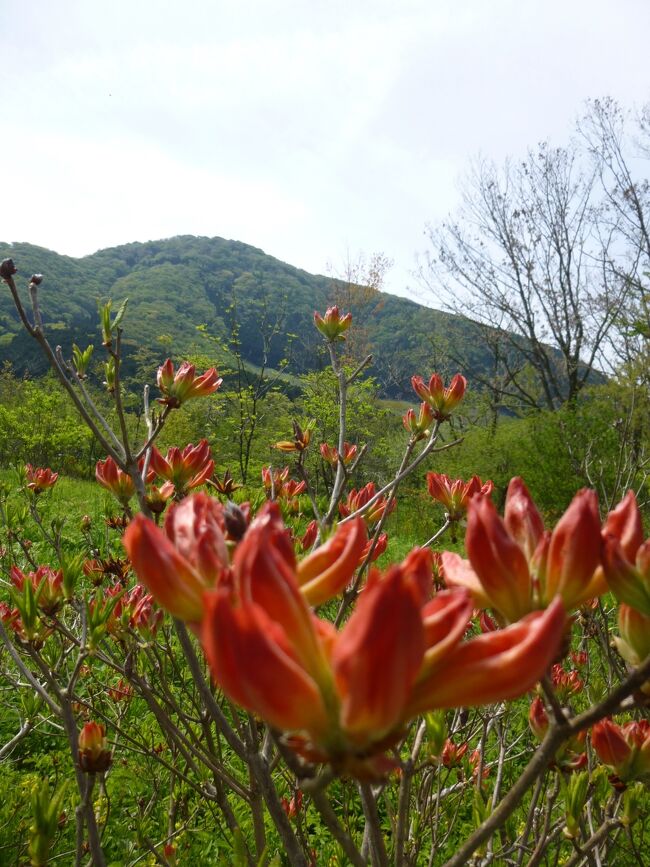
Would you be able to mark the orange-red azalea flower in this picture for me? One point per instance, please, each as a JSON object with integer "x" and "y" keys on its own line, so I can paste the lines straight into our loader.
{"x": 625, "y": 749}
{"x": 40, "y": 479}
{"x": 186, "y": 469}
{"x": 183, "y": 385}
{"x": 115, "y": 480}
{"x": 330, "y": 454}
{"x": 455, "y": 495}
{"x": 441, "y": 400}
{"x": 345, "y": 694}
{"x": 359, "y": 499}
{"x": 94, "y": 755}
{"x": 515, "y": 566}
{"x": 333, "y": 326}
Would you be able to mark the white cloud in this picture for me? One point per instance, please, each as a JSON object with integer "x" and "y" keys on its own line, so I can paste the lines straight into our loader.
{"x": 303, "y": 128}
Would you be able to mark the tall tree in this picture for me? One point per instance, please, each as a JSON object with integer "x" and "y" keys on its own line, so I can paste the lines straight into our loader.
{"x": 523, "y": 259}
{"x": 621, "y": 160}
{"x": 357, "y": 288}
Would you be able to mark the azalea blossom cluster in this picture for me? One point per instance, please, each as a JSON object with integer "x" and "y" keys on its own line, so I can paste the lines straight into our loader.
{"x": 34, "y": 594}
{"x": 333, "y": 325}
{"x": 46, "y": 584}
{"x": 279, "y": 486}
{"x": 358, "y": 500}
{"x": 624, "y": 749}
{"x": 180, "y": 470}
{"x": 516, "y": 566}
{"x": 40, "y": 479}
{"x": 455, "y": 495}
{"x": 441, "y": 400}
{"x": 179, "y": 386}
{"x": 345, "y": 695}
{"x": 438, "y": 403}
{"x": 331, "y": 455}
{"x": 128, "y": 610}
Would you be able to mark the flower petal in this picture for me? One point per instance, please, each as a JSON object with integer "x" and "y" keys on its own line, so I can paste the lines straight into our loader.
{"x": 170, "y": 578}
{"x": 377, "y": 656}
{"x": 327, "y": 570}
{"x": 253, "y": 662}
{"x": 494, "y": 666}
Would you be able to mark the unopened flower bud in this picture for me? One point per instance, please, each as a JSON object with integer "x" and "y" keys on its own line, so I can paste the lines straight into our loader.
{"x": 235, "y": 520}
{"x": 36, "y": 279}
{"x": 538, "y": 718}
{"x": 333, "y": 325}
{"x": 7, "y": 269}
{"x": 94, "y": 755}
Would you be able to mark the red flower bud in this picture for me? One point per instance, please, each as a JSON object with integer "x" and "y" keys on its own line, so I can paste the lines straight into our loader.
{"x": 575, "y": 553}
{"x": 115, "y": 480}
{"x": 419, "y": 426}
{"x": 311, "y": 533}
{"x": 442, "y": 400}
{"x": 522, "y": 518}
{"x": 610, "y": 744}
{"x": 624, "y": 523}
{"x": 538, "y": 718}
{"x": 634, "y": 643}
{"x": 94, "y": 755}
{"x": 628, "y": 582}
{"x": 333, "y": 326}
{"x": 183, "y": 385}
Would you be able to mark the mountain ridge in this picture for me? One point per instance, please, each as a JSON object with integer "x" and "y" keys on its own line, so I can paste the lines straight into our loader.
{"x": 179, "y": 283}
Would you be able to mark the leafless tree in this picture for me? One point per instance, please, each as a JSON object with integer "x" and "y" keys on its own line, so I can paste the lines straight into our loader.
{"x": 621, "y": 161}
{"x": 524, "y": 259}
{"x": 357, "y": 287}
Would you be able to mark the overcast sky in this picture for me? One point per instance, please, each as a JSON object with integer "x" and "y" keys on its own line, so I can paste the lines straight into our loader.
{"x": 305, "y": 128}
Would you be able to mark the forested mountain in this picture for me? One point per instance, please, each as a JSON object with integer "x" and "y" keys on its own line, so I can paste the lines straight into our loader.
{"x": 178, "y": 284}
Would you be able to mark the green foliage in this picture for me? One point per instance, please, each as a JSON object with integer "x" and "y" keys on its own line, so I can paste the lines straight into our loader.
{"x": 159, "y": 788}
{"x": 46, "y": 810}
{"x": 39, "y": 426}
{"x": 599, "y": 441}
{"x": 574, "y": 791}
{"x": 109, "y": 325}
{"x": 81, "y": 358}
{"x": 179, "y": 283}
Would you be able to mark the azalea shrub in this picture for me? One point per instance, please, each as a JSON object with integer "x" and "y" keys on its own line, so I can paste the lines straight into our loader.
{"x": 213, "y": 672}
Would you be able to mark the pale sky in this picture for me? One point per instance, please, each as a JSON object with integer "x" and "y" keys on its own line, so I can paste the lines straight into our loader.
{"x": 305, "y": 128}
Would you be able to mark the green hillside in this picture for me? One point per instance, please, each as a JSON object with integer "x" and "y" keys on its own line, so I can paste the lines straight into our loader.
{"x": 177, "y": 284}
